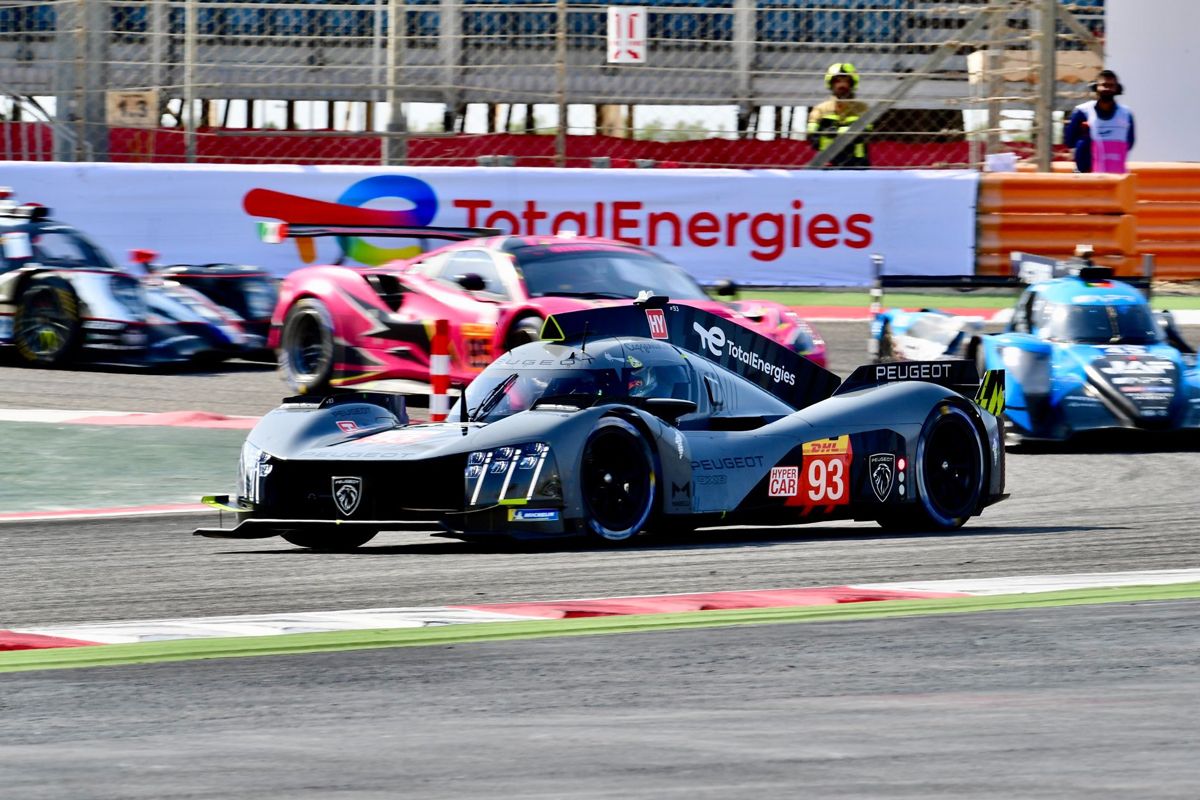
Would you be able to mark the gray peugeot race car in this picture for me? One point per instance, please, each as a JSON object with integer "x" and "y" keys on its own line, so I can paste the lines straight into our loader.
{"x": 654, "y": 416}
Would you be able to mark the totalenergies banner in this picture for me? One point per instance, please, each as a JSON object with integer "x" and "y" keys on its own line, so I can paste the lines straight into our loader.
{"x": 762, "y": 227}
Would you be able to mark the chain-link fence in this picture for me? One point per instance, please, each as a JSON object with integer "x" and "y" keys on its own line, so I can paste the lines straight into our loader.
{"x": 723, "y": 82}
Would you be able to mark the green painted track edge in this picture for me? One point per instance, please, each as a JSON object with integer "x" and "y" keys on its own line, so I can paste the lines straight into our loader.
{"x": 296, "y": 643}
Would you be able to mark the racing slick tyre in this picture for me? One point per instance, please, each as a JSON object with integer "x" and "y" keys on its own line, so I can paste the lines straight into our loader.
{"x": 523, "y": 331}
{"x": 331, "y": 539}
{"x": 47, "y": 329}
{"x": 948, "y": 471}
{"x": 306, "y": 348}
{"x": 617, "y": 480}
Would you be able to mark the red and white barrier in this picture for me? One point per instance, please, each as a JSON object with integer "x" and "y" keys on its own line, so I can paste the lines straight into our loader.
{"x": 439, "y": 372}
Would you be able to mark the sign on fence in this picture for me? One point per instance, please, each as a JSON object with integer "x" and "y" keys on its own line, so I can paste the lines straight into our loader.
{"x": 627, "y": 34}
{"x": 132, "y": 109}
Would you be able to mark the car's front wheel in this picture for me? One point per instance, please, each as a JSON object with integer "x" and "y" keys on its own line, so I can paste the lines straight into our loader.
{"x": 306, "y": 347}
{"x": 949, "y": 474}
{"x": 47, "y": 329}
{"x": 617, "y": 480}
{"x": 330, "y": 539}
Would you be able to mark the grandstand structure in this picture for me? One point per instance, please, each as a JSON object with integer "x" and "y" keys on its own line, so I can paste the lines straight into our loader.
{"x": 206, "y": 70}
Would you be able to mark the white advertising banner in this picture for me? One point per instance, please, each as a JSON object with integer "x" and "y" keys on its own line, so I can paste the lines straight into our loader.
{"x": 766, "y": 227}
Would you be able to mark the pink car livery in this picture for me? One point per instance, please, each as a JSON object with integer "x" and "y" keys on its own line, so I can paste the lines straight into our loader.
{"x": 338, "y": 326}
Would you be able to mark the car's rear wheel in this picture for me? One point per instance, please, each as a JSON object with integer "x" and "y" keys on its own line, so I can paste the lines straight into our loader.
{"x": 949, "y": 474}
{"x": 46, "y": 327}
{"x": 523, "y": 331}
{"x": 306, "y": 347}
{"x": 617, "y": 480}
{"x": 330, "y": 539}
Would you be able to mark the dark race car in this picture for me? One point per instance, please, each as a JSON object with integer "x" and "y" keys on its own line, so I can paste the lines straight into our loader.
{"x": 339, "y": 326}
{"x": 656, "y": 416}
{"x": 62, "y": 299}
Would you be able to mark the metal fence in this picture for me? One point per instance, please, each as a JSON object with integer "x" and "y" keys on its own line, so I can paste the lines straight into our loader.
{"x": 725, "y": 82}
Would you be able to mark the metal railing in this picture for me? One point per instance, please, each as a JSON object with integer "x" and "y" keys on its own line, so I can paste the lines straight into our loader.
{"x": 451, "y": 81}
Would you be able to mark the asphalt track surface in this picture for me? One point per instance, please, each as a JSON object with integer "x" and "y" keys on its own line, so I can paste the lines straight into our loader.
{"x": 1082, "y": 702}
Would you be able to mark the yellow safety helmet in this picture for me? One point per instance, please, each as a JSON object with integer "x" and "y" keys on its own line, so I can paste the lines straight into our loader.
{"x": 841, "y": 68}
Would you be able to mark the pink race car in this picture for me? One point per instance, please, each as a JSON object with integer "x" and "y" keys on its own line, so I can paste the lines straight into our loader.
{"x": 337, "y": 326}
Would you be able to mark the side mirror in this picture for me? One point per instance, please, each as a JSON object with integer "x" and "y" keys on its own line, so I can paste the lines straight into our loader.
{"x": 472, "y": 282}
{"x": 726, "y": 288}
{"x": 143, "y": 256}
{"x": 669, "y": 408}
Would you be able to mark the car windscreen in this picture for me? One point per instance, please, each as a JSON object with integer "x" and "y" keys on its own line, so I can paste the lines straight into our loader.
{"x": 501, "y": 391}
{"x": 1102, "y": 324}
{"x": 617, "y": 274}
{"x": 66, "y": 248}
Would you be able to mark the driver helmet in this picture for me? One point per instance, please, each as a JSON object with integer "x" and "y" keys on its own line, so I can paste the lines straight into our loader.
{"x": 642, "y": 380}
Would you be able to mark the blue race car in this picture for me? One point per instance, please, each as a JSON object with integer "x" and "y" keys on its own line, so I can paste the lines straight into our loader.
{"x": 1081, "y": 352}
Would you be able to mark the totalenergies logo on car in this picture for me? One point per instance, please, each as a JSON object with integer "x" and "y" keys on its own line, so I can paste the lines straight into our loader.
{"x": 363, "y": 203}
{"x": 767, "y": 235}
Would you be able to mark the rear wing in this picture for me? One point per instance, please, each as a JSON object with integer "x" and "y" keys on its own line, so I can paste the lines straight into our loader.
{"x": 959, "y": 375}
{"x": 1025, "y": 268}
{"x": 275, "y": 232}
{"x": 304, "y": 233}
{"x": 785, "y": 374}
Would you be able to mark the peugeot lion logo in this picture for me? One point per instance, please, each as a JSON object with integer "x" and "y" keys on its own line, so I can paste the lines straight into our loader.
{"x": 347, "y": 492}
{"x": 883, "y": 470}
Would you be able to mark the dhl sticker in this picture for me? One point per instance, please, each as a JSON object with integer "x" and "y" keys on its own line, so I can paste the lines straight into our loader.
{"x": 832, "y": 446}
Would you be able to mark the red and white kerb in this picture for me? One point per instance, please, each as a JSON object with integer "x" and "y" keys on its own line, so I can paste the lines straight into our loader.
{"x": 439, "y": 372}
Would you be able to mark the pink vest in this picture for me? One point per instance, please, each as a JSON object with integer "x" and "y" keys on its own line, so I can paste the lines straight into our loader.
{"x": 1110, "y": 137}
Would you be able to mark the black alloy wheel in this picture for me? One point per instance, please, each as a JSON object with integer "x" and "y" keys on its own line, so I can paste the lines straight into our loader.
{"x": 949, "y": 471}
{"x": 618, "y": 481}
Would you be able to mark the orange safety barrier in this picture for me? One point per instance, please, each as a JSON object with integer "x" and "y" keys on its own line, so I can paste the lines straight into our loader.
{"x": 1169, "y": 222}
{"x": 1050, "y": 193}
{"x": 1167, "y": 182}
{"x": 1109, "y": 234}
{"x": 1096, "y": 210}
{"x": 1174, "y": 261}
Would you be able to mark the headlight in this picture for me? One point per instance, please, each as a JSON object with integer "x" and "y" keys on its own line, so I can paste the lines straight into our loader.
{"x": 511, "y": 475}
{"x": 1030, "y": 370}
{"x": 253, "y": 466}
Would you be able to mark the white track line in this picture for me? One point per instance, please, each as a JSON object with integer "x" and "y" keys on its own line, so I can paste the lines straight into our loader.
{"x": 379, "y": 618}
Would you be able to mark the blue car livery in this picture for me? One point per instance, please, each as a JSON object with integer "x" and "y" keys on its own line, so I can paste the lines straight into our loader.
{"x": 1081, "y": 352}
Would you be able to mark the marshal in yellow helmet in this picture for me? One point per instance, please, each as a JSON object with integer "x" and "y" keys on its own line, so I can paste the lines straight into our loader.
{"x": 841, "y": 68}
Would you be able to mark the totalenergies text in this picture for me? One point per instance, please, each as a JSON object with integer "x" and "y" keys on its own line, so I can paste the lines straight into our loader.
{"x": 770, "y": 233}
